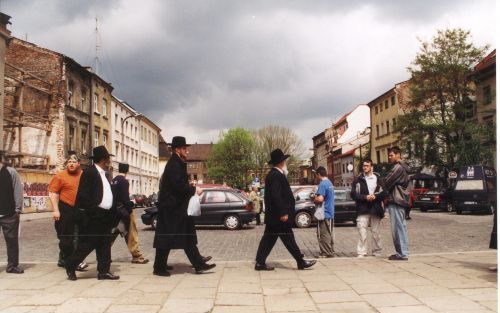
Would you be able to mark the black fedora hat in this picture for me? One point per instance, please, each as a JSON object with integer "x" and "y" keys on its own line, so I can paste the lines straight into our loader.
{"x": 99, "y": 153}
{"x": 277, "y": 156}
{"x": 123, "y": 168}
{"x": 179, "y": 141}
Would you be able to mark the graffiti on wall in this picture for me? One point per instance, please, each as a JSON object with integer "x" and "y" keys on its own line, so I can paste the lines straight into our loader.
{"x": 36, "y": 196}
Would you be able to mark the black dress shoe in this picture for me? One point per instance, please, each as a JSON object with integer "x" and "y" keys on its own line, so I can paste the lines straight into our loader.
{"x": 15, "y": 270}
{"x": 205, "y": 259}
{"x": 162, "y": 273}
{"x": 107, "y": 276}
{"x": 396, "y": 257}
{"x": 71, "y": 274}
{"x": 263, "y": 267}
{"x": 203, "y": 268}
{"x": 305, "y": 264}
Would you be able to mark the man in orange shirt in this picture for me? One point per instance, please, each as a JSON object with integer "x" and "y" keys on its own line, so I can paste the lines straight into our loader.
{"x": 62, "y": 192}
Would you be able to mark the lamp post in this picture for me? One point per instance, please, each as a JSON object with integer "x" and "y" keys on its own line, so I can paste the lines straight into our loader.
{"x": 137, "y": 115}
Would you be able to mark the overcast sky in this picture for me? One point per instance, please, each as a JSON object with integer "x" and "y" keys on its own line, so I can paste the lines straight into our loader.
{"x": 196, "y": 67}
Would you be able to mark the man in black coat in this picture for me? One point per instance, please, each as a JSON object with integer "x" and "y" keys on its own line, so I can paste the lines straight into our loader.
{"x": 96, "y": 216}
{"x": 175, "y": 229}
{"x": 280, "y": 209}
{"x": 369, "y": 194}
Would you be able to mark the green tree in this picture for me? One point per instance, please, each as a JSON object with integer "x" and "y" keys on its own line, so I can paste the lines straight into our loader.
{"x": 273, "y": 137}
{"x": 231, "y": 159}
{"x": 439, "y": 118}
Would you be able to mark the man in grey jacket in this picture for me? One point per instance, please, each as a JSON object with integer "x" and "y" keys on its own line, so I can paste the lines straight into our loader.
{"x": 11, "y": 201}
{"x": 396, "y": 184}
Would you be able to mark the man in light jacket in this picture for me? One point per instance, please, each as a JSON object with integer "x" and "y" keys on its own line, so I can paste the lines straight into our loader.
{"x": 396, "y": 183}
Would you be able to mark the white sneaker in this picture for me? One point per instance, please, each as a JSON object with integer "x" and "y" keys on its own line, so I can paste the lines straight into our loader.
{"x": 361, "y": 255}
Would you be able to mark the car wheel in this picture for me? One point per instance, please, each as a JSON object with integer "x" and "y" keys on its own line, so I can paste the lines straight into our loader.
{"x": 450, "y": 208}
{"x": 459, "y": 211}
{"x": 232, "y": 222}
{"x": 303, "y": 220}
{"x": 154, "y": 222}
{"x": 423, "y": 210}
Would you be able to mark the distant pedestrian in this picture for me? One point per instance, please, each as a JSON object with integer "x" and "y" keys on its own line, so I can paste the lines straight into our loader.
{"x": 369, "y": 194}
{"x": 397, "y": 184}
{"x": 255, "y": 198}
{"x": 62, "y": 193}
{"x": 175, "y": 229}
{"x": 96, "y": 215}
{"x": 325, "y": 197}
{"x": 124, "y": 207}
{"x": 11, "y": 201}
{"x": 280, "y": 207}
{"x": 493, "y": 238}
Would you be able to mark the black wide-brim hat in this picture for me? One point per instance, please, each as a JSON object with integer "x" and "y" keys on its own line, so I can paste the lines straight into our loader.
{"x": 179, "y": 141}
{"x": 100, "y": 152}
{"x": 277, "y": 156}
{"x": 123, "y": 168}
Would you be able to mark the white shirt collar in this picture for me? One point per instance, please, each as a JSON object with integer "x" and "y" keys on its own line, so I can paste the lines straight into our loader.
{"x": 99, "y": 169}
{"x": 279, "y": 169}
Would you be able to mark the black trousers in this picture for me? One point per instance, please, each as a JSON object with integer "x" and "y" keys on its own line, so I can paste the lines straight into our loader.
{"x": 271, "y": 234}
{"x": 161, "y": 258}
{"x": 65, "y": 229}
{"x": 10, "y": 229}
{"x": 95, "y": 236}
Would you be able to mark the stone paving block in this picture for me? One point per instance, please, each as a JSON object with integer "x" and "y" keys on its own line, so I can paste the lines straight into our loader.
{"x": 479, "y": 294}
{"x": 335, "y": 296}
{"x": 239, "y": 299}
{"x": 289, "y": 303}
{"x": 85, "y": 305}
{"x": 240, "y": 287}
{"x": 428, "y": 291}
{"x": 380, "y": 287}
{"x": 146, "y": 287}
{"x": 492, "y": 305}
{"x": 238, "y": 309}
{"x": 320, "y": 278}
{"x": 450, "y": 303}
{"x": 283, "y": 291}
{"x": 390, "y": 299}
{"x": 139, "y": 297}
{"x": 326, "y": 286}
{"x": 462, "y": 283}
{"x": 133, "y": 308}
{"x": 105, "y": 289}
{"x": 34, "y": 284}
{"x": 282, "y": 283}
{"x": 406, "y": 309}
{"x": 278, "y": 274}
{"x": 30, "y": 309}
{"x": 346, "y": 307}
{"x": 193, "y": 293}
{"x": 47, "y": 299}
{"x": 187, "y": 306}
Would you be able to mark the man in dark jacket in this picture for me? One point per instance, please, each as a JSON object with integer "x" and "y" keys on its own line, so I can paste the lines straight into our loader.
{"x": 280, "y": 209}
{"x": 96, "y": 215}
{"x": 397, "y": 184}
{"x": 368, "y": 193}
{"x": 127, "y": 226}
{"x": 11, "y": 201}
{"x": 175, "y": 229}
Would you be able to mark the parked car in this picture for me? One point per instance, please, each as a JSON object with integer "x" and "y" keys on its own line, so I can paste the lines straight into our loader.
{"x": 433, "y": 199}
{"x": 139, "y": 200}
{"x": 219, "y": 206}
{"x": 345, "y": 207}
{"x": 475, "y": 189}
{"x": 421, "y": 183}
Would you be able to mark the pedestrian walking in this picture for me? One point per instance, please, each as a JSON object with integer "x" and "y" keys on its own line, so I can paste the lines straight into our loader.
{"x": 175, "y": 229}
{"x": 11, "y": 201}
{"x": 493, "y": 237}
{"x": 255, "y": 198}
{"x": 325, "y": 200}
{"x": 62, "y": 193}
{"x": 280, "y": 208}
{"x": 368, "y": 192}
{"x": 124, "y": 208}
{"x": 96, "y": 214}
{"x": 397, "y": 184}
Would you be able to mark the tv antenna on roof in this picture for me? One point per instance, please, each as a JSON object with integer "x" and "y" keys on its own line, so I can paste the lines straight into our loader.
{"x": 97, "y": 45}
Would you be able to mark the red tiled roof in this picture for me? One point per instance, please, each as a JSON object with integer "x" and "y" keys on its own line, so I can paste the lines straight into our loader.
{"x": 200, "y": 152}
{"x": 490, "y": 59}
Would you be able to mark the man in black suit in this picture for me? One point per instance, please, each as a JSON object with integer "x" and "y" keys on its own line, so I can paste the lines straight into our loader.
{"x": 96, "y": 216}
{"x": 175, "y": 229}
{"x": 280, "y": 209}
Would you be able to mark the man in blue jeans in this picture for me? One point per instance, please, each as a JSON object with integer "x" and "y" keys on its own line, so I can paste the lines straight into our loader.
{"x": 396, "y": 184}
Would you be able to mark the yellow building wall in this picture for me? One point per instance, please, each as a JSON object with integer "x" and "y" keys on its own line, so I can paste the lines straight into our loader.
{"x": 102, "y": 120}
{"x": 379, "y": 116}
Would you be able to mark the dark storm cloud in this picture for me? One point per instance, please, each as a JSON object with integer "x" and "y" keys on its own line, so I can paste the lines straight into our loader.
{"x": 202, "y": 66}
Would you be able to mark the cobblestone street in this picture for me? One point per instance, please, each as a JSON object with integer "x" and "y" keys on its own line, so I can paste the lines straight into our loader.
{"x": 431, "y": 232}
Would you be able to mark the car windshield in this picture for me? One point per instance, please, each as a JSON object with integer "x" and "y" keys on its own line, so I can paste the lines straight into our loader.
{"x": 475, "y": 184}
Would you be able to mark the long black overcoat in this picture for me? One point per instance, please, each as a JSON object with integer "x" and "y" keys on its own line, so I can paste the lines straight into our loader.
{"x": 175, "y": 229}
{"x": 278, "y": 198}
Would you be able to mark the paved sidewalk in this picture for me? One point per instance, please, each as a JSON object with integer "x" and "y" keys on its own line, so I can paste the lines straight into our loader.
{"x": 454, "y": 282}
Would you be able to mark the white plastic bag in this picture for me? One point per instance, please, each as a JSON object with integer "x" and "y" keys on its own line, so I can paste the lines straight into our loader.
{"x": 194, "y": 206}
{"x": 319, "y": 213}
